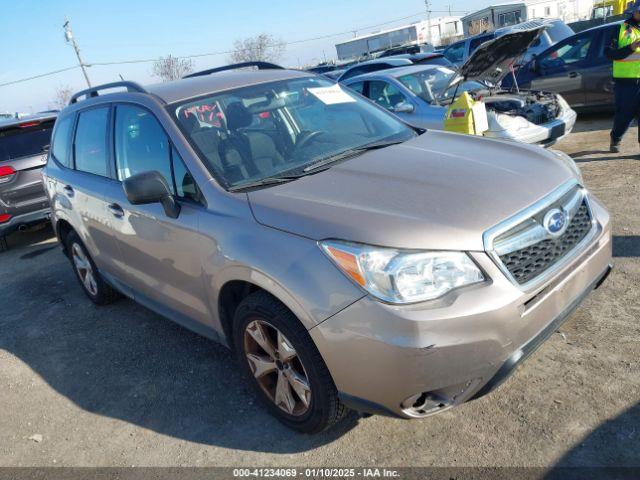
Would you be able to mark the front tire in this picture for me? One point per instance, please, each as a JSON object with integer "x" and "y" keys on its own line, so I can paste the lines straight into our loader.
{"x": 92, "y": 283}
{"x": 280, "y": 360}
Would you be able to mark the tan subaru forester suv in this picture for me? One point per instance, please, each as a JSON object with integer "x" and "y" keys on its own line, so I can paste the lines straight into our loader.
{"x": 351, "y": 262}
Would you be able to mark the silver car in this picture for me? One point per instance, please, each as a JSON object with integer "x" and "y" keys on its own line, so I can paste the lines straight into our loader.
{"x": 351, "y": 263}
{"x": 422, "y": 95}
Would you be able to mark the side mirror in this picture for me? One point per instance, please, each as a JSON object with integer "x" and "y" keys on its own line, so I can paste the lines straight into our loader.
{"x": 151, "y": 187}
{"x": 403, "y": 107}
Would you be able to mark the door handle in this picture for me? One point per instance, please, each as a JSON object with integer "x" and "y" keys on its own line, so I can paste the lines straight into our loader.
{"x": 68, "y": 189}
{"x": 116, "y": 210}
{"x": 574, "y": 75}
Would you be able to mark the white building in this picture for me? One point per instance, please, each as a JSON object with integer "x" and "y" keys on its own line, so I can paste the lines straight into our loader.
{"x": 504, "y": 14}
{"x": 416, "y": 33}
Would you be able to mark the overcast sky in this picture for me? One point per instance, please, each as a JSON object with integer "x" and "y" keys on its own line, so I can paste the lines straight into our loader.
{"x": 32, "y": 37}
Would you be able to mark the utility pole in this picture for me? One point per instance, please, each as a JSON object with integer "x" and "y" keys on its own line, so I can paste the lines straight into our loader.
{"x": 427, "y": 4}
{"x": 68, "y": 35}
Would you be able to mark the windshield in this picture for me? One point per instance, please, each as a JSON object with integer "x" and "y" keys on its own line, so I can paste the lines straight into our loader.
{"x": 280, "y": 128}
{"x": 430, "y": 84}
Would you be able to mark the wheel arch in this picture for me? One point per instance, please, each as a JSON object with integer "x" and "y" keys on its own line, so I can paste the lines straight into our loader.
{"x": 236, "y": 286}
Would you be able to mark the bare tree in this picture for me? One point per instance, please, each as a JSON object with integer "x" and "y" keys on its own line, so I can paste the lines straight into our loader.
{"x": 263, "y": 47}
{"x": 172, "y": 68}
{"x": 62, "y": 97}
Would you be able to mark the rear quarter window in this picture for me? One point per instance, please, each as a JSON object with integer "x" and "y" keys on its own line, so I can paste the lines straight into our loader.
{"x": 90, "y": 152}
{"x": 25, "y": 139}
{"x": 60, "y": 147}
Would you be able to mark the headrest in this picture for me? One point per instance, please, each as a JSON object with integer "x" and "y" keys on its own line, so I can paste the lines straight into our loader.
{"x": 238, "y": 116}
{"x": 190, "y": 123}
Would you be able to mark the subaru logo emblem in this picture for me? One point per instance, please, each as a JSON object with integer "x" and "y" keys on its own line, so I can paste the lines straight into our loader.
{"x": 555, "y": 222}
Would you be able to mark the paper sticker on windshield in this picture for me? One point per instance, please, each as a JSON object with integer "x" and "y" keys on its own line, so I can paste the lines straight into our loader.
{"x": 331, "y": 95}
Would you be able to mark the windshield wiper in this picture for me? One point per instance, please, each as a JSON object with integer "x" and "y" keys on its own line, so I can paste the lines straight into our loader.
{"x": 260, "y": 183}
{"x": 313, "y": 168}
{"x": 352, "y": 152}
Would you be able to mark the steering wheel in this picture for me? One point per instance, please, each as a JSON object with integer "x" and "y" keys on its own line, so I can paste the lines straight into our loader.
{"x": 306, "y": 137}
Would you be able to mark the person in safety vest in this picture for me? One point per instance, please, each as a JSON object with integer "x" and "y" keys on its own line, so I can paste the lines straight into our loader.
{"x": 624, "y": 51}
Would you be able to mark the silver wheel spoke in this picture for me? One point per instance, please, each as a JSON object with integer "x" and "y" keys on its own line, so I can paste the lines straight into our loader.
{"x": 299, "y": 385}
{"x": 260, "y": 364}
{"x": 283, "y": 397}
{"x": 285, "y": 351}
{"x": 257, "y": 332}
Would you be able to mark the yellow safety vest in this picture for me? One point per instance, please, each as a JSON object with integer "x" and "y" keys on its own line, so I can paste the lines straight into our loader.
{"x": 628, "y": 67}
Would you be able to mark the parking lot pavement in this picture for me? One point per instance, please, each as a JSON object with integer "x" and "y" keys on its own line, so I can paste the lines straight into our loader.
{"x": 120, "y": 386}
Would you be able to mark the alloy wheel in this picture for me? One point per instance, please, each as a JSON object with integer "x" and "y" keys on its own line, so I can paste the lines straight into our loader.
{"x": 277, "y": 367}
{"x": 84, "y": 269}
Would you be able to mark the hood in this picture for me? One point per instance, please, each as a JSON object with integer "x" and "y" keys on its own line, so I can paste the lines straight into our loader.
{"x": 437, "y": 191}
{"x": 491, "y": 62}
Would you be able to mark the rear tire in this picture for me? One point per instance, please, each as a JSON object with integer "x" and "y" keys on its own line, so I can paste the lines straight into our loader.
{"x": 310, "y": 403}
{"x": 4, "y": 246}
{"x": 92, "y": 283}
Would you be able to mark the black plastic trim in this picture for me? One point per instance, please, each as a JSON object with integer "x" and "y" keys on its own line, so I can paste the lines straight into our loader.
{"x": 236, "y": 66}
{"x": 366, "y": 406}
{"x": 93, "y": 91}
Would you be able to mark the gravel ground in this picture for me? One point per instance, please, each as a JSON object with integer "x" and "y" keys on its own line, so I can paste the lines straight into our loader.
{"x": 120, "y": 386}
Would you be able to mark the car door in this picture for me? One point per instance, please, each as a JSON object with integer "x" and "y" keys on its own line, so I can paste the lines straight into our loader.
{"x": 598, "y": 74}
{"x": 160, "y": 262}
{"x": 81, "y": 180}
{"x": 560, "y": 69}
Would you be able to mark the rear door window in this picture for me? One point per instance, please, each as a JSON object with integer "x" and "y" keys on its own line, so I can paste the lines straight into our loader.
{"x": 26, "y": 139}
{"x": 61, "y": 141}
{"x": 90, "y": 146}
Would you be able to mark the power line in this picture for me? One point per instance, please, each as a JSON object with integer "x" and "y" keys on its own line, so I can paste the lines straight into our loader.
{"x": 12, "y": 82}
{"x": 293, "y": 42}
{"x": 224, "y": 52}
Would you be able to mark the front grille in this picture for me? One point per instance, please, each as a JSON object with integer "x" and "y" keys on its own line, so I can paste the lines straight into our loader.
{"x": 528, "y": 263}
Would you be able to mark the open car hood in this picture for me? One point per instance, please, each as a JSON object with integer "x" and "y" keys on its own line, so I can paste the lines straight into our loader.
{"x": 491, "y": 62}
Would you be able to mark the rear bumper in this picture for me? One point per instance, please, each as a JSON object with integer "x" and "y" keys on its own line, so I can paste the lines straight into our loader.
{"x": 25, "y": 219}
{"x": 387, "y": 359}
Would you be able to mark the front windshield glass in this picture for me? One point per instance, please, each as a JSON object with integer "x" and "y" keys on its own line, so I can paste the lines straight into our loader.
{"x": 430, "y": 84}
{"x": 279, "y": 129}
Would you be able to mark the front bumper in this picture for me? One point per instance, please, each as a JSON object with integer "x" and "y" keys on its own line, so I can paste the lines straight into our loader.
{"x": 546, "y": 134}
{"x": 386, "y": 359}
{"x": 26, "y": 219}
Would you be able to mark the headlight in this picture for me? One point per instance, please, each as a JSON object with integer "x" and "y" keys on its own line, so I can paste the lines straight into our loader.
{"x": 568, "y": 161}
{"x": 402, "y": 276}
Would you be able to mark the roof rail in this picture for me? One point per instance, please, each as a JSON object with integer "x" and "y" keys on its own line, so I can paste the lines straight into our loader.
{"x": 236, "y": 66}
{"x": 93, "y": 91}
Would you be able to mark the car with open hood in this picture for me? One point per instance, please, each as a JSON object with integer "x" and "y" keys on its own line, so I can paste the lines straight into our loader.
{"x": 350, "y": 262}
{"x": 421, "y": 95}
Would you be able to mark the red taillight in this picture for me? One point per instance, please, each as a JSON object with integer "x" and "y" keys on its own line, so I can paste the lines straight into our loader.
{"x": 6, "y": 171}
{"x": 28, "y": 124}
{"x": 4, "y": 217}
